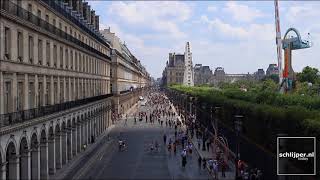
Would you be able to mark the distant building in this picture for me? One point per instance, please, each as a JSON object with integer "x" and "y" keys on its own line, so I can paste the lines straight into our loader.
{"x": 174, "y": 71}
{"x": 202, "y": 74}
{"x": 177, "y": 70}
{"x": 260, "y": 74}
{"x": 220, "y": 76}
{"x": 272, "y": 69}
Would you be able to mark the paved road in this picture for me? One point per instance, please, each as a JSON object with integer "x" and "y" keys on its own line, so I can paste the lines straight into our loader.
{"x": 137, "y": 162}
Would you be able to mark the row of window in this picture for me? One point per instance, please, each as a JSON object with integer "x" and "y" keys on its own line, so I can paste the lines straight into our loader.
{"x": 49, "y": 93}
{"x": 62, "y": 56}
{"x": 53, "y": 20}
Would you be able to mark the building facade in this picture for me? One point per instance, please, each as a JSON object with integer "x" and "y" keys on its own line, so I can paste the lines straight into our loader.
{"x": 273, "y": 69}
{"x": 202, "y": 74}
{"x": 179, "y": 68}
{"x": 259, "y": 75}
{"x": 56, "y": 85}
{"x": 174, "y": 70}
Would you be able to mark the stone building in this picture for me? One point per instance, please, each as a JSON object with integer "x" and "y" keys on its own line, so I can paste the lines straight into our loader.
{"x": 259, "y": 75}
{"x": 57, "y": 74}
{"x": 179, "y": 68}
{"x": 273, "y": 69}
{"x": 202, "y": 74}
{"x": 174, "y": 70}
{"x": 220, "y": 76}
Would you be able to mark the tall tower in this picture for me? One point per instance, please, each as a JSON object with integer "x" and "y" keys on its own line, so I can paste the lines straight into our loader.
{"x": 188, "y": 71}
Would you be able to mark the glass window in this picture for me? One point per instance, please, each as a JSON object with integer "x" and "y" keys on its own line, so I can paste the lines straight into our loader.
{"x": 31, "y": 48}
{"x": 20, "y": 46}
{"x": 7, "y": 44}
{"x": 40, "y": 51}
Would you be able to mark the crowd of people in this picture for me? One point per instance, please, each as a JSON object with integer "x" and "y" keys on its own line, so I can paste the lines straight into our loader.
{"x": 160, "y": 110}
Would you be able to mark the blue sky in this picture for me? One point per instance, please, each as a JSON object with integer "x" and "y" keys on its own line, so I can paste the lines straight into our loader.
{"x": 237, "y": 35}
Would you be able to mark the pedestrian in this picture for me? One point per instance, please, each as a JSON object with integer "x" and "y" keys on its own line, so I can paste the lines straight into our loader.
{"x": 215, "y": 169}
{"x": 210, "y": 163}
{"x": 223, "y": 168}
{"x": 208, "y": 145}
{"x": 199, "y": 143}
{"x": 204, "y": 163}
{"x": 164, "y": 138}
{"x": 199, "y": 161}
{"x": 174, "y": 148}
{"x": 184, "y": 157}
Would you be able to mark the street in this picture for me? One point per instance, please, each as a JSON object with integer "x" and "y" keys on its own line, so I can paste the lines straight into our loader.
{"x": 137, "y": 161}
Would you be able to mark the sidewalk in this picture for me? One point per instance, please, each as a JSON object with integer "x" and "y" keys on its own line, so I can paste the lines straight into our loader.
{"x": 90, "y": 152}
{"x": 230, "y": 173}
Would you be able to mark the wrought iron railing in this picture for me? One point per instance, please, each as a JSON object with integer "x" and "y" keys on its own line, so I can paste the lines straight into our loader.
{"x": 22, "y": 116}
{"x": 26, "y": 15}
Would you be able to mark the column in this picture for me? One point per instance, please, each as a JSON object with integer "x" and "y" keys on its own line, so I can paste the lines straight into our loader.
{"x": 35, "y": 163}
{"x": 14, "y": 164}
{"x": 74, "y": 141}
{"x": 1, "y": 95}
{"x": 26, "y": 169}
{"x": 69, "y": 150}
{"x": 1, "y": 39}
{"x": 64, "y": 90}
{"x": 51, "y": 98}
{"x": 51, "y": 54}
{"x": 64, "y": 147}
{"x": 51, "y": 156}
{"x": 78, "y": 137}
{"x": 58, "y": 156}
{"x": 3, "y": 171}
{"x": 26, "y": 93}
{"x": 36, "y": 88}
{"x": 35, "y": 48}
{"x": 44, "y": 90}
{"x": 58, "y": 90}
{"x": 44, "y": 161}
{"x": 14, "y": 92}
{"x": 14, "y": 44}
{"x": 70, "y": 90}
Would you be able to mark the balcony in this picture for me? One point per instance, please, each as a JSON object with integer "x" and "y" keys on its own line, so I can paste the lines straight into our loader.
{"x": 26, "y": 115}
{"x": 67, "y": 14}
{"x": 16, "y": 10}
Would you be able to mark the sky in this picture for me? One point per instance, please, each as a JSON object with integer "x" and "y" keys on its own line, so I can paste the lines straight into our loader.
{"x": 236, "y": 35}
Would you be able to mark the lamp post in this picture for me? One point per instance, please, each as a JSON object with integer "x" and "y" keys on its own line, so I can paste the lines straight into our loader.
{"x": 238, "y": 127}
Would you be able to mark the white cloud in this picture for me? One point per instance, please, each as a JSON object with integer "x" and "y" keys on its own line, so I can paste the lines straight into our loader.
{"x": 159, "y": 16}
{"x": 212, "y": 8}
{"x": 242, "y": 13}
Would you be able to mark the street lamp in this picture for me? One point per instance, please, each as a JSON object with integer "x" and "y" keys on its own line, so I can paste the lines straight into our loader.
{"x": 238, "y": 127}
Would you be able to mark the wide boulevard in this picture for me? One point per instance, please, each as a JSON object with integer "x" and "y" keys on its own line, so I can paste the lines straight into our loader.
{"x": 136, "y": 161}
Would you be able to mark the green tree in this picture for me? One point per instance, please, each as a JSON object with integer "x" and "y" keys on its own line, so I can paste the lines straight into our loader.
{"x": 308, "y": 74}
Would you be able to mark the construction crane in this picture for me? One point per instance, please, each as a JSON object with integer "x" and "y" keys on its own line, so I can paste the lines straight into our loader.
{"x": 290, "y": 42}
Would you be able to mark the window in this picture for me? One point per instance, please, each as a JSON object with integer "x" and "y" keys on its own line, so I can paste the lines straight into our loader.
{"x": 31, "y": 95}
{"x": 71, "y": 59}
{"x": 76, "y": 61}
{"x": 61, "y": 57}
{"x": 55, "y": 55}
{"x": 39, "y": 17}
{"x": 40, "y": 90}
{"x": 67, "y": 58}
{"x": 7, "y": 97}
{"x": 47, "y": 93}
{"x": 7, "y": 44}
{"x": 29, "y": 11}
{"x": 55, "y": 94}
{"x": 20, "y": 46}
{"x": 40, "y": 51}
{"x": 20, "y": 96}
{"x": 61, "y": 91}
{"x": 48, "y": 53}
{"x": 31, "y": 48}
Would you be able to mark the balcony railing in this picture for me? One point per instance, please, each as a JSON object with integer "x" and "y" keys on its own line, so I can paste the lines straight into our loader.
{"x": 26, "y": 15}
{"x": 23, "y": 116}
{"x": 58, "y": 7}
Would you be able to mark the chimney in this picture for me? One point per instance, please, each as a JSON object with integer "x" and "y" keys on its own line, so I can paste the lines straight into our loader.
{"x": 84, "y": 10}
{"x": 93, "y": 14}
{"x": 97, "y": 22}
{"x": 89, "y": 14}
{"x": 80, "y": 7}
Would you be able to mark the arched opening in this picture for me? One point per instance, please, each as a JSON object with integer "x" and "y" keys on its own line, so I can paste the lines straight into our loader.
{"x": 69, "y": 138}
{"x": 74, "y": 138}
{"x": 34, "y": 148}
{"x": 58, "y": 146}
{"x": 63, "y": 143}
{"x": 43, "y": 155}
{"x": 51, "y": 148}
{"x": 24, "y": 159}
{"x": 11, "y": 158}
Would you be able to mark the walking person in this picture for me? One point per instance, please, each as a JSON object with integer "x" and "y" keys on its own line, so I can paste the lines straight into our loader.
{"x": 215, "y": 169}
{"x": 164, "y": 138}
{"x": 199, "y": 162}
{"x": 223, "y": 168}
{"x": 184, "y": 158}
